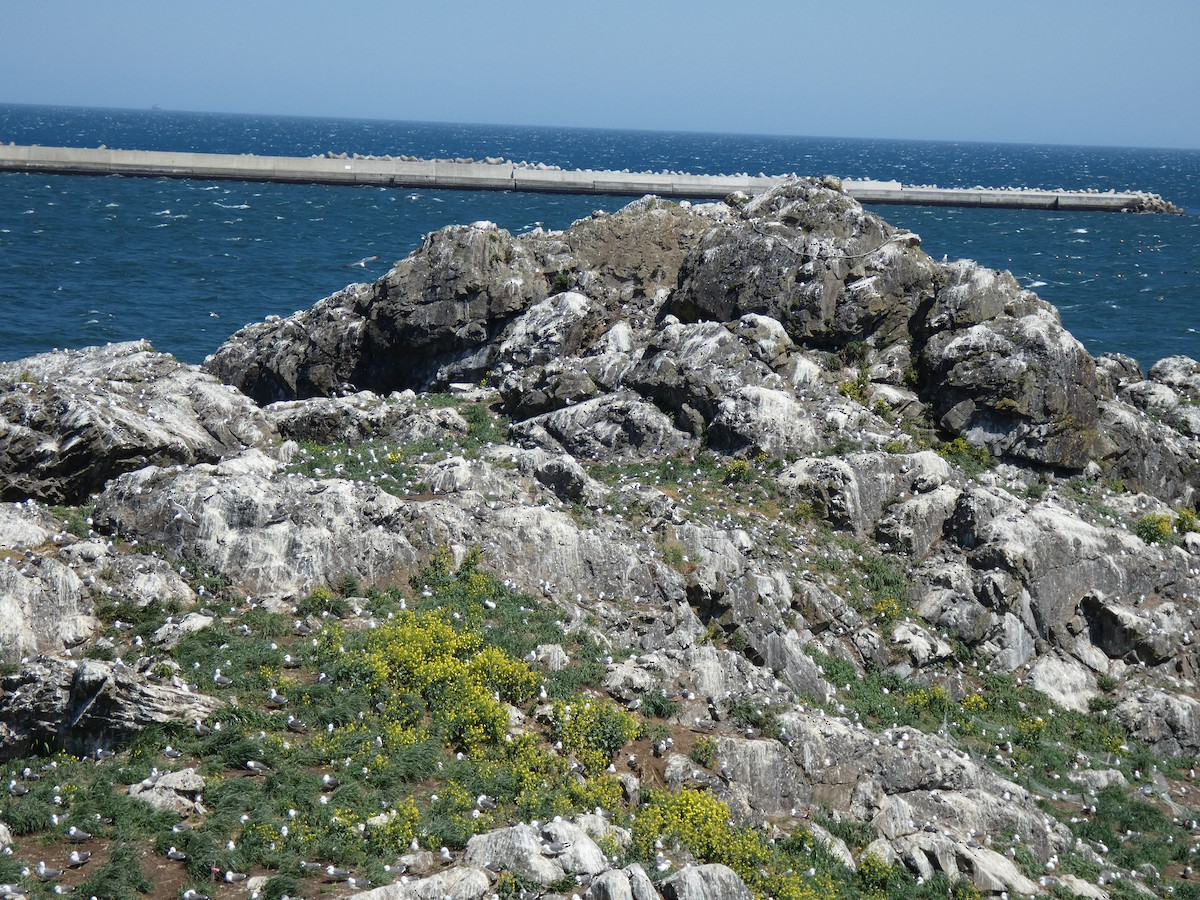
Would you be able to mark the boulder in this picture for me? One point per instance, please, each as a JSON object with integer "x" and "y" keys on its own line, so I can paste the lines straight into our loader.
{"x": 81, "y": 705}
{"x": 271, "y": 536}
{"x": 517, "y": 849}
{"x": 178, "y": 792}
{"x": 710, "y": 882}
{"x": 73, "y": 419}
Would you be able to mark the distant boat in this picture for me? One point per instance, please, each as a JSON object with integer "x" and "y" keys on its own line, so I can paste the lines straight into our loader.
{"x": 156, "y": 106}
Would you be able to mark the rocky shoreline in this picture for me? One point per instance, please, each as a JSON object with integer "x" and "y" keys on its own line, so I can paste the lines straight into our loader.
{"x": 891, "y": 581}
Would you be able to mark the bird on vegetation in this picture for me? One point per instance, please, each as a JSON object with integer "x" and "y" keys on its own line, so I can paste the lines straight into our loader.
{"x": 324, "y": 679}
{"x": 65, "y": 889}
{"x": 177, "y": 855}
{"x": 78, "y": 858}
{"x": 258, "y": 768}
{"x": 221, "y": 680}
{"x": 193, "y": 894}
{"x": 101, "y": 754}
{"x": 17, "y": 789}
{"x": 46, "y": 872}
{"x": 78, "y": 835}
{"x": 276, "y": 699}
{"x": 330, "y": 782}
{"x": 171, "y": 753}
{"x": 336, "y": 873}
{"x": 295, "y": 725}
{"x": 483, "y": 801}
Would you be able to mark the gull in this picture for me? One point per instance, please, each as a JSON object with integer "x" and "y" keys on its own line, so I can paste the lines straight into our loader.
{"x": 336, "y": 873}
{"x": 78, "y": 858}
{"x": 258, "y": 768}
{"x": 483, "y": 801}
{"x": 78, "y": 835}
{"x": 17, "y": 790}
{"x": 177, "y": 855}
{"x": 295, "y": 725}
{"x": 235, "y": 877}
{"x": 330, "y": 781}
{"x": 221, "y": 680}
{"x": 444, "y": 853}
{"x": 362, "y": 263}
{"x": 193, "y": 894}
{"x": 276, "y": 699}
{"x": 171, "y": 753}
{"x": 324, "y": 679}
{"x": 181, "y": 513}
{"x": 46, "y": 872}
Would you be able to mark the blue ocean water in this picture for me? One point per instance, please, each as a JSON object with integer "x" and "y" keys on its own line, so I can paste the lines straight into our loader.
{"x": 185, "y": 263}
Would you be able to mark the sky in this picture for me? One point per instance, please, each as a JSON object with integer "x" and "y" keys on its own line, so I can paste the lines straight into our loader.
{"x": 1099, "y": 72}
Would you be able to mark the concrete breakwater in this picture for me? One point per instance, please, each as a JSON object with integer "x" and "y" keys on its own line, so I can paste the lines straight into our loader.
{"x": 505, "y": 175}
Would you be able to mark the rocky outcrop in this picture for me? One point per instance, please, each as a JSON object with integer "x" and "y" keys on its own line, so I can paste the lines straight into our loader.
{"x": 85, "y": 705}
{"x": 72, "y": 420}
{"x": 716, "y": 463}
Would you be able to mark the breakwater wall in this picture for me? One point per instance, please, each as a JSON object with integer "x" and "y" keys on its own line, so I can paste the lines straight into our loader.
{"x": 504, "y": 175}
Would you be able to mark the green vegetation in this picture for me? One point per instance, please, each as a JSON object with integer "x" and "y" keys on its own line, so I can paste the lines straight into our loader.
{"x": 972, "y": 460}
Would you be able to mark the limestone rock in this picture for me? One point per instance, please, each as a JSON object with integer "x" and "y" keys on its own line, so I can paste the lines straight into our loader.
{"x": 517, "y": 849}
{"x": 70, "y": 420}
{"x": 85, "y": 704}
{"x": 456, "y": 883}
{"x": 710, "y": 882}
{"x": 273, "y": 537}
{"x": 178, "y": 792}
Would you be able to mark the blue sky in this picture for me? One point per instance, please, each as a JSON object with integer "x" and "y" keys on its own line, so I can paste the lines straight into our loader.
{"x": 1033, "y": 71}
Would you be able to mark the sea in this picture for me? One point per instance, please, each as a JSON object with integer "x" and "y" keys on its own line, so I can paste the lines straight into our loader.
{"x": 183, "y": 264}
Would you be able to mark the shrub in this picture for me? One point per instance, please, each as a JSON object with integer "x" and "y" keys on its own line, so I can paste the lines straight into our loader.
{"x": 972, "y": 460}
{"x": 737, "y": 471}
{"x": 1153, "y": 528}
{"x": 593, "y": 731}
{"x": 704, "y": 753}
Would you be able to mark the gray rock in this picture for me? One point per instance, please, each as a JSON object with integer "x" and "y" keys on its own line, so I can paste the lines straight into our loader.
{"x": 710, "y": 882}
{"x": 43, "y": 606}
{"x": 456, "y": 883}
{"x": 89, "y": 415}
{"x": 617, "y": 425}
{"x": 1002, "y": 370}
{"x": 273, "y": 537}
{"x": 85, "y": 704}
{"x": 517, "y": 849}
{"x": 611, "y": 885}
{"x": 179, "y": 792}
